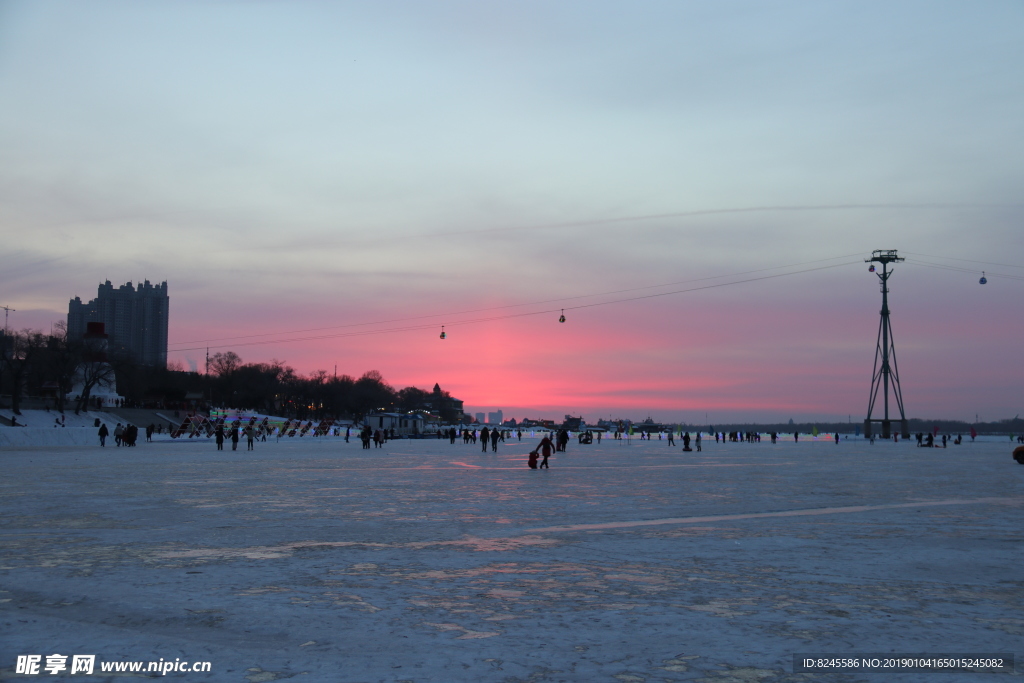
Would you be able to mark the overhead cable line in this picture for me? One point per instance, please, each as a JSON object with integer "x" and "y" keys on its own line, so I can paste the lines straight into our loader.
{"x": 959, "y": 269}
{"x": 505, "y": 306}
{"x": 951, "y": 258}
{"x": 473, "y": 321}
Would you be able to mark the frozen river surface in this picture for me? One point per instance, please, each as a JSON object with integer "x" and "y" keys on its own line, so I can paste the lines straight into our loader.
{"x": 425, "y": 561}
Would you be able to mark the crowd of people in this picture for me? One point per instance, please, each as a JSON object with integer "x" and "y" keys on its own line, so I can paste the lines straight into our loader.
{"x": 555, "y": 441}
{"x": 125, "y": 434}
{"x": 928, "y": 440}
{"x": 235, "y": 432}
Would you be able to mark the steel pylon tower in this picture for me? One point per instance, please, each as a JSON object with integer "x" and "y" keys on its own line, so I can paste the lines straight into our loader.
{"x": 885, "y": 373}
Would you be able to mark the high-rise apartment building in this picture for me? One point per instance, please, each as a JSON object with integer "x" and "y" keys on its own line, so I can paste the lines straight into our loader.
{"x": 495, "y": 418}
{"x": 134, "y": 319}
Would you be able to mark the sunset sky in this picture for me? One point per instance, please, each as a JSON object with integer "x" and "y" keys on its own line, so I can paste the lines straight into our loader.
{"x": 303, "y": 171}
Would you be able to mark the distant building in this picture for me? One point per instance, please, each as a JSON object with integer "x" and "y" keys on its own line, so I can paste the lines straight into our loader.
{"x": 135, "y": 319}
{"x": 402, "y": 424}
{"x": 495, "y": 418}
{"x": 480, "y": 418}
{"x": 615, "y": 425}
{"x": 652, "y": 427}
{"x": 573, "y": 424}
{"x": 449, "y": 408}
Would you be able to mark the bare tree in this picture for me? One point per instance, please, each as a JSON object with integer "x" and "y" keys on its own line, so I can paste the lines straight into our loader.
{"x": 413, "y": 398}
{"x": 225, "y": 364}
{"x": 22, "y": 350}
{"x": 94, "y": 370}
{"x": 61, "y": 359}
{"x": 371, "y": 393}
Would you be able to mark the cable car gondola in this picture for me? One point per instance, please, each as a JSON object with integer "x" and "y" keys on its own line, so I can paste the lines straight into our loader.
{"x": 443, "y": 335}
{"x": 983, "y": 279}
{"x": 561, "y": 318}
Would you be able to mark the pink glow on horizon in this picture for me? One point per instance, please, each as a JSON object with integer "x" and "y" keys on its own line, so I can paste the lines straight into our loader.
{"x": 684, "y": 359}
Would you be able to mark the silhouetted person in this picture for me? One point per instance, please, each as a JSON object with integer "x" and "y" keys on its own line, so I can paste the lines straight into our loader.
{"x": 495, "y": 435}
{"x": 545, "y": 447}
{"x": 103, "y": 432}
{"x": 218, "y": 436}
{"x": 234, "y": 437}
{"x": 485, "y": 434}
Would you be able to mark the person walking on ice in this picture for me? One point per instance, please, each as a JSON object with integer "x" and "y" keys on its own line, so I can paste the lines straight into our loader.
{"x": 545, "y": 447}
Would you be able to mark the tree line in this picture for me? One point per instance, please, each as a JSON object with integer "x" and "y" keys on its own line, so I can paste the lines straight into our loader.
{"x": 276, "y": 388}
{"x": 51, "y": 366}
{"x": 39, "y": 364}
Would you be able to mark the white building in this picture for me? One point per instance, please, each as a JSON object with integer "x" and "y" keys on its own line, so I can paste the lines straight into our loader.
{"x": 404, "y": 424}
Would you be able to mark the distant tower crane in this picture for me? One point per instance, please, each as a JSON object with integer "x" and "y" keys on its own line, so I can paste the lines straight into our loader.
{"x": 7, "y": 312}
{"x": 885, "y": 372}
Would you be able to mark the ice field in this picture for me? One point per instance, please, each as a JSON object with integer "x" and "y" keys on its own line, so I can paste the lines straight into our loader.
{"x": 426, "y": 561}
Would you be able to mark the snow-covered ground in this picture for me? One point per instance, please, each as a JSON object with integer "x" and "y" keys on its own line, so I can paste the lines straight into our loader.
{"x": 425, "y": 561}
{"x": 44, "y": 428}
{"x": 49, "y": 419}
